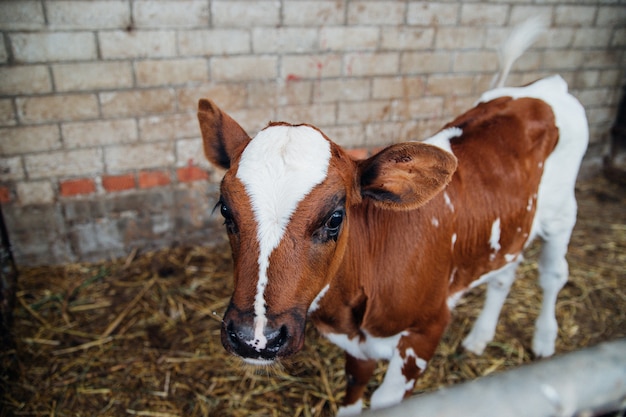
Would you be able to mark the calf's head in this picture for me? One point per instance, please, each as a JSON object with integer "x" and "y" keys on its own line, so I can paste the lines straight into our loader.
{"x": 286, "y": 199}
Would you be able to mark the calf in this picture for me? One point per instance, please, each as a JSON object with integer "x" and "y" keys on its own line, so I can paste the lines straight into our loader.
{"x": 376, "y": 252}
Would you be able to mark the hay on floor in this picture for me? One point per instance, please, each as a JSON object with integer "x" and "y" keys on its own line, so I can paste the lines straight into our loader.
{"x": 140, "y": 336}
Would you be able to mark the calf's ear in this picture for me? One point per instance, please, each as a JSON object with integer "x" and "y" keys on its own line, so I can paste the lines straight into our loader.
{"x": 406, "y": 175}
{"x": 222, "y": 137}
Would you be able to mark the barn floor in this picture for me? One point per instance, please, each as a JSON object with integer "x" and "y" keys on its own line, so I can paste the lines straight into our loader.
{"x": 140, "y": 336}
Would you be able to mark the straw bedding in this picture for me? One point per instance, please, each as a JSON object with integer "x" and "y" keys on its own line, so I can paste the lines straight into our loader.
{"x": 140, "y": 336}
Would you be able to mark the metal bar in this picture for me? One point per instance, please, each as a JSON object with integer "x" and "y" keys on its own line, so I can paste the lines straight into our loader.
{"x": 582, "y": 383}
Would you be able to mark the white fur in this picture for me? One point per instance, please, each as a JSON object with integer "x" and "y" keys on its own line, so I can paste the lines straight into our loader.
{"x": 351, "y": 410}
{"x": 371, "y": 348}
{"x": 316, "y": 302}
{"x": 494, "y": 239}
{"x": 278, "y": 168}
{"x": 446, "y": 197}
{"x": 442, "y": 138}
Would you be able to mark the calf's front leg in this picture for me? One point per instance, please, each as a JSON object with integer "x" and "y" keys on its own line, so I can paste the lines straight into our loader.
{"x": 407, "y": 363}
{"x": 358, "y": 374}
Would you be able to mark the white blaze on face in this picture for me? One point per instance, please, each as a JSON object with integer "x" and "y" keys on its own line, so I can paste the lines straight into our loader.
{"x": 278, "y": 168}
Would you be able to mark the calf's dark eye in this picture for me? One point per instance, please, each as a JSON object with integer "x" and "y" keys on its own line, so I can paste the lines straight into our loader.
{"x": 333, "y": 224}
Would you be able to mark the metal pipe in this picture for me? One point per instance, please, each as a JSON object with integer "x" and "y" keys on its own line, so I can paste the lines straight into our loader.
{"x": 582, "y": 383}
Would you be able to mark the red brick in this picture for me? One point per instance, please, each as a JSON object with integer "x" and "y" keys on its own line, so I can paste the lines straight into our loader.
{"x": 358, "y": 153}
{"x": 191, "y": 173}
{"x": 5, "y": 195}
{"x": 149, "y": 179}
{"x": 77, "y": 187}
{"x": 112, "y": 183}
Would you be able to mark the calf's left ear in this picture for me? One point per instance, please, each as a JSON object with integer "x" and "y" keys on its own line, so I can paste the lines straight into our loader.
{"x": 222, "y": 137}
{"x": 406, "y": 175}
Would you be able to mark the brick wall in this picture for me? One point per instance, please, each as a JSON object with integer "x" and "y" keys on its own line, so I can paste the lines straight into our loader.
{"x": 99, "y": 145}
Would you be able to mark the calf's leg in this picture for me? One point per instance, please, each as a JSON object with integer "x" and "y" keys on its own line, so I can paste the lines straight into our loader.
{"x": 358, "y": 374}
{"x": 498, "y": 285}
{"x": 407, "y": 363}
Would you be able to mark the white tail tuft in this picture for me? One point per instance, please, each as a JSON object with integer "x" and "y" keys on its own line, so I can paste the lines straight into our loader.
{"x": 520, "y": 39}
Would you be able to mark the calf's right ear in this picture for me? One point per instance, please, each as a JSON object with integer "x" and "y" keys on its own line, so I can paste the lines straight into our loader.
{"x": 222, "y": 137}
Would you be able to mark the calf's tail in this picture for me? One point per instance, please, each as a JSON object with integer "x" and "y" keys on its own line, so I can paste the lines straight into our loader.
{"x": 521, "y": 38}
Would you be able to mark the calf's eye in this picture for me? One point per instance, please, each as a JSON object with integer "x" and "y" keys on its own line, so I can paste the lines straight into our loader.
{"x": 333, "y": 224}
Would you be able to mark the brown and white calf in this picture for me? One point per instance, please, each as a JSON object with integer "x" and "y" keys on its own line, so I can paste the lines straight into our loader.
{"x": 376, "y": 252}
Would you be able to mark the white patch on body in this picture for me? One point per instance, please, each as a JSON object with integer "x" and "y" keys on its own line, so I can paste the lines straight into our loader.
{"x": 442, "y": 138}
{"x": 379, "y": 348}
{"x": 351, "y": 410}
{"x": 494, "y": 239}
{"x": 454, "y": 299}
{"x": 278, "y": 168}
{"x": 316, "y": 302}
{"x": 453, "y": 241}
{"x": 510, "y": 257}
{"x": 435, "y": 222}
{"x": 446, "y": 198}
{"x": 529, "y": 207}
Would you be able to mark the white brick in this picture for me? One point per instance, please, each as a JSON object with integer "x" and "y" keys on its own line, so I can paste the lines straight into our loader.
{"x": 565, "y": 59}
{"x": 131, "y": 157}
{"x": 480, "y": 61}
{"x": 404, "y": 38}
{"x": 425, "y": 62}
{"x": 35, "y": 192}
{"x": 137, "y": 102}
{"x": 284, "y": 93}
{"x": 92, "y": 76}
{"x": 351, "y": 136}
{"x": 459, "y": 38}
{"x": 611, "y": 16}
{"x": 11, "y": 169}
{"x": 242, "y": 68}
{"x": 235, "y": 13}
{"x": 376, "y": 12}
{"x": 397, "y": 87}
{"x": 230, "y": 96}
{"x": 570, "y": 15}
{"x": 484, "y": 14}
{"x": 418, "y": 108}
{"x": 387, "y": 133}
{"x": 57, "y": 108}
{"x": 4, "y": 56}
{"x": 23, "y": 140}
{"x": 30, "y": 79}
{"x": 523, "y": 12}
{"x": 313, "y": 13}
{"x": 214, "y": 42}
{"x": 557, "y": 38}
{"x": 170, "y": 14}
{"x": 99, "y": 133}
{"x": 364, "y": 111}
{"x": 170, "y": 72}
{"x": 137, "y": 44}
{"x": 432, "y": 14}
{"x": 315, "y": 114}
{"x": 64, "y": 164}
{"x": 372, "y": 63}
{"x": 171, "y": 126}
{"x": 110, "y": 14}
{"x": 56, "y": 46}
{"x": 592, "y": 37}
{"x": 344, "y": 89}
{"x": 311, "y": 66}
{"x": 7, "y": 114}
{"x": 349, "y": 38}
{"x": 283, "y": 40}
{"x": 21, "y": 15}
{"x": 190, "y": 152}
{"x": 442, "y": 85}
